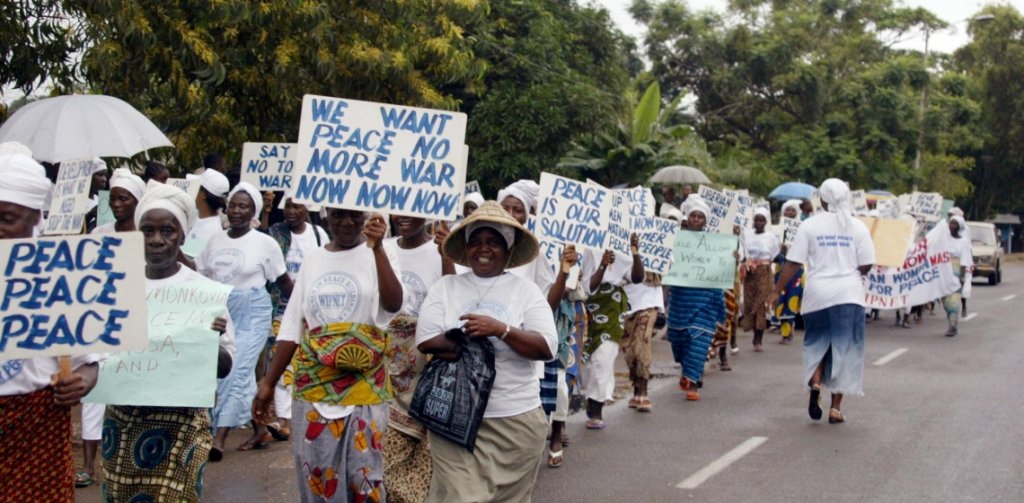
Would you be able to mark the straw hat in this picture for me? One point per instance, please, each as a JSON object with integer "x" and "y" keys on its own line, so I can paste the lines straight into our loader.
{"x": 524, "y": 248}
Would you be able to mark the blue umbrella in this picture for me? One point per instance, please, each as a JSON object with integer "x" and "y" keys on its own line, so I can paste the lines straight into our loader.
{"x": 792, "y": 190}
{"x": 880, "y": 192}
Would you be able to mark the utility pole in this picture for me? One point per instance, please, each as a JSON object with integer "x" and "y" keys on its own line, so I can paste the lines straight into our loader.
{"x": 921, "y": 112}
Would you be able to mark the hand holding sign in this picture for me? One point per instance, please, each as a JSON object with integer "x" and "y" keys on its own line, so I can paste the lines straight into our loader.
{"x": 375, "y": 230}
{"x": 569, "y": 258}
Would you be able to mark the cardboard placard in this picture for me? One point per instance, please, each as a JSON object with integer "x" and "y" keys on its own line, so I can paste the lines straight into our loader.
{"x": 104, "y": 215}
{"x": 70, "y": 198}
{"x": 925, "y": 275}
{"x": 179, "y": 367}
{"x": 657, "y": 241}
{"x": 190, "y": 187}
{"x": 473, "y": 186}
{"x": 574, "y": 212}
{"x": 891, "y": 238}
{"x": 703, "y": 260}
{"x": 268, "y": 166}
{"x": 860, "y": 201}
{"x": 719, "y": 220}
{"x": 72, "y": 295}
{"x": 787, "y": 229}
{"x": 378, "y": 157}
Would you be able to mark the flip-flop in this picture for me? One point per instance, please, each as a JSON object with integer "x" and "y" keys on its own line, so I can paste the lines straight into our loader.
{"x": 836, "y": 418}
{"x": 692, "y": 396}
{"x": 83, "y": 479}
{"x": 258, "y": 445}
{"x": 280, "y": 434}
{"x": 814, "y": 404}
{"x": 645, "y": 405}
{"x": 634, "y": 402}
{"x": 596, "y": 424}
{"x": 555, "y": 459}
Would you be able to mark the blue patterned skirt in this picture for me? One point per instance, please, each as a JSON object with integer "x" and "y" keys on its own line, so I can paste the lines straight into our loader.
{"x": 251, "y": 316}
{"x": 835, "y": 337}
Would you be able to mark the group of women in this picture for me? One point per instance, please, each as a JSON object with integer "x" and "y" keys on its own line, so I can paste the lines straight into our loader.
{"x": 354, "y": 316}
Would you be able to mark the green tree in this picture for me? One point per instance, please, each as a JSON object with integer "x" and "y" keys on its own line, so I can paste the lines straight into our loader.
{"x": 216, "y": 74}
{"x": 556, "y": 70}
{"x": 992, "y": 67}
{"x": 37, "y": 42}
{"x": 807, "y": 89}
{"x": 634, "y": 147}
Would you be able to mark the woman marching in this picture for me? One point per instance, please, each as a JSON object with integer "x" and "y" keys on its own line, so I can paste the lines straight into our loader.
{"x": 516, "y": 317}
{"x": 693, "y": 313}
{"x": 245, "y": 259}
{"x": 164, "y": 215}
{"x": 836, "y": 250}
{"x": 962, "y": 262}
{"x": 788, "y": 307}
{"x": 759, "y": 251}
{"x": 334, "y": 335}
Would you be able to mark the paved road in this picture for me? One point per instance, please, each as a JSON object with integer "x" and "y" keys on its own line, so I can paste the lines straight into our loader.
{"x": 940, "y": 422}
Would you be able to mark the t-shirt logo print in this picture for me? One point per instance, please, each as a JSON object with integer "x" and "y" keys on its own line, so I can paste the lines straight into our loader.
{"x": 334, "y": 297}
{"x": 415, "y": 290}
{"x": 227, "y": 263}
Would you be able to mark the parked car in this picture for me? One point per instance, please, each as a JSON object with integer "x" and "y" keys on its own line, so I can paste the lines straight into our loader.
{"x": 988, "y": 255}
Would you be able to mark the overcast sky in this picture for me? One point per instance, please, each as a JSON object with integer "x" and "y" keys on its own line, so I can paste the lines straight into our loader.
{"x": 953, "y": 11}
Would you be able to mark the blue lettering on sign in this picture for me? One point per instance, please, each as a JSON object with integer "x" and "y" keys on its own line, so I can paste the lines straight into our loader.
{"x": 382, "y": 196}
{"x": 415, "y": 121}
{"x": 320, "y": 189}
{"x": 432, "y": 202}
{"x": 423, "y": 172}
{"x": 36, "y": 332}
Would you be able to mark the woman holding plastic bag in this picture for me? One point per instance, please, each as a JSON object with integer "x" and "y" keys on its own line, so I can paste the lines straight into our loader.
{"x": 513, "y": 316}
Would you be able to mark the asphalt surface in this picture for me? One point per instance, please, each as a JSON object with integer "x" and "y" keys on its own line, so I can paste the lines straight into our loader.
{"x": 940, "y": 422}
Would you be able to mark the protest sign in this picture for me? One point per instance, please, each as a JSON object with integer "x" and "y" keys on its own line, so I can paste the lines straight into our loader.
{"x": 787, "y": 229}
{"x": 70, "y": 198}
{"x": 657, "y": 240}
{"x": 618, "y": 225}
{"x": 925, "y": 275}
{"x": 891, "y": 238}
{"x": 703, "y": 260}
{"x": 719, "y": 204}
{"x": 73, "y": 295}
{"x": 741, "y": 209}
{"x": 574, "y": 212}
{"x": 268, "y": 166}
{"x": 947, "y": 204}
{"x": 888, "y": 208}
{"x": 816, "y": 206}
{"x": 473, "y": 186}
{"x": 104, "y": 215}
{"x": 179, "y": 367}
{"x": 926, "y": 205}
{"x": 378, "y": 157}
{"x": 860, "y": 201}
{"x": 190, "y": 187}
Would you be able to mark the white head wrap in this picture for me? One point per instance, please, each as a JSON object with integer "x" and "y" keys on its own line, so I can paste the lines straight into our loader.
{"x": 696, "y": 203}
{"x": 159, "y": 196}
{"x": 526, "y": 191}
{"x": 213, "y": 181}
{"x": 506, "y": 231}
{"x": 956, "y": 211}
{"x": 764, "y": 212}
{"x": 959, "y": 221}
{"x": 24, "y": 180}
{"x": 792, "y": 203}
{"x": 125, "y": 179}
{"x": 257, "y": 198}
{"x": 98, "y": 165}
{"x": 475, "y": 198}
{"x": 836, "y": 194}
{"x": 672, "y": 213}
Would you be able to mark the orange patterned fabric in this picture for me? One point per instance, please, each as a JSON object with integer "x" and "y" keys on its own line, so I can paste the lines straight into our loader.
{"x": 342, "y": 364}
{"x": 35, "y": 449}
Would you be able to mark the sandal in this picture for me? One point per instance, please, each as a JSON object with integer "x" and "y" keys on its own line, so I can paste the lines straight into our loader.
{"x": 256, "y": 444}
{"x": 280, "y": 434}
{"x": 685, "y": 384}
{"x": 645, "y": 405}
{"x": 724, "y": 367}
{"x": 555, "y": 459}
{"x": 814, "y": 404}
{"x": 634, "y": 402}
{"x": 83, "y": 479}
{"x": 835, "y": 417}
{"x": 596, "y": 424}
{"x": 692, "y": 396}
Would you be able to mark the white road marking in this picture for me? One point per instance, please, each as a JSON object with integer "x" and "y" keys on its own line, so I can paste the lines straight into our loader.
{"x": 722, "y": 463}
{"x": 1009, "y": 297}
{"x": 970, "y": 317}
{"x": 890, "y": 357}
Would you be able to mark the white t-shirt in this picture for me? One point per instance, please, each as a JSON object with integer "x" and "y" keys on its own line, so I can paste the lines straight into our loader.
{"x": 205, "y": 228}
{"x": 508, "y": 299}
{"x": 831, "y": 258}
{"x": 301, "y": 245}
{"x": 421, "y": 268}
{"x": 619, "y": 273}
{"x": 763, "y": 246}
{"x": 333, "y": 287}
{"x": 961, "y": 248}
{"x": 643, "y": 296}
{"x": 246, "y": 262}
{"x": 537, "y": 272}
{"x": 107, "y": 228}
{"x": 184, "y": 274}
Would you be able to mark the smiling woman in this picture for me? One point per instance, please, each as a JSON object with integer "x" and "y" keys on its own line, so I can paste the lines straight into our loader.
{"x": 514, "y": 315}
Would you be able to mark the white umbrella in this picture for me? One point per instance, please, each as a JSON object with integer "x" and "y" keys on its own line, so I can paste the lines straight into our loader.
{"x": 81, "y": 127}
{"x": 679, "y": 175}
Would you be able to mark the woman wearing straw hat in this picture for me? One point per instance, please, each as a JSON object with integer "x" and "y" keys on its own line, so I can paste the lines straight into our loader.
{"x": 836, "y": 250}
{"x": 515, "y": 314}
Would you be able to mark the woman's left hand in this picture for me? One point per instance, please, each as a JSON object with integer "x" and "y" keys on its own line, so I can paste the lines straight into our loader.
{"x": 478, "y": 325}
{"x": 375, "y": 230}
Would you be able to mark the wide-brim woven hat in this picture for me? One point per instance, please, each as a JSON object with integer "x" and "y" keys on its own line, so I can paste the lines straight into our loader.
{"x": 524, "y": 250}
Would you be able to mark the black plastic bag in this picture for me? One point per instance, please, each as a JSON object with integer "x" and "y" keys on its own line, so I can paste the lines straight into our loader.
{"x": 451, "y": 396}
